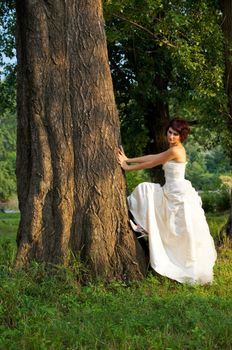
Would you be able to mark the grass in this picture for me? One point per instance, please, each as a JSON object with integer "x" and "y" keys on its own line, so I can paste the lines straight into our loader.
{"x": 42, "y": 309}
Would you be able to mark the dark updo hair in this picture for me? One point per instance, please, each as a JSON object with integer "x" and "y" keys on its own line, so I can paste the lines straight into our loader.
{"x": 181, "y": 126}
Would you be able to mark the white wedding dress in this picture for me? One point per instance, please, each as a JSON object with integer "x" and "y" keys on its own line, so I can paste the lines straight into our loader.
{"x": 180, "y": 243}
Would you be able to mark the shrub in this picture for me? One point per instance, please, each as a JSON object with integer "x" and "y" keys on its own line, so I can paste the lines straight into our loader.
{"x": 213, "y": 201}
{"x": 134, "y": 178}
{"x": 7, "y": 178}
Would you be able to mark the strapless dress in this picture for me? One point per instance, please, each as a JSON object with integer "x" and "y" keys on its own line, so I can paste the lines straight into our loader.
{"x": 180, "y": 244}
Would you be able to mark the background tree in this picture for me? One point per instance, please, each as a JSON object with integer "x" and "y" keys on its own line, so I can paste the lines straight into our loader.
{"x": 7, "y": 149}
{"x": 226, "y": 7}
{"x": 70, "y": 187}
{"x": 166, "y": 59}
{"x": 7, "y": 100}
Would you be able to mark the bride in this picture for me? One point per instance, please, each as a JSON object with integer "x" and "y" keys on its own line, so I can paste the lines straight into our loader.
{"x": 180, "y": 243}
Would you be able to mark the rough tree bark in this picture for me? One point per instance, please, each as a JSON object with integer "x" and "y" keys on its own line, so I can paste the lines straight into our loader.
{"x": 226, "y": 7}
{"x": 71, "y": 190}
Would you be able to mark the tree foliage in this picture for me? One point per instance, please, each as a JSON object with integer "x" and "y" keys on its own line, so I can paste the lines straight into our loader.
{"x": 204, "y": 168}
{"x": 7, "y": 156}
{"x": 7, "y": 29}
{"x": 170, "y": 51}
{"x": 7, "y": 100}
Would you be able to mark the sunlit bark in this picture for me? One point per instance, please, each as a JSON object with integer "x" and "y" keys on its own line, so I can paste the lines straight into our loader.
{"x": 71, "y": 189}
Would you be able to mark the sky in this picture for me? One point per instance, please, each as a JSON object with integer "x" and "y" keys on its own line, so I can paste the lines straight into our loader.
{"x": 5, "y": 60}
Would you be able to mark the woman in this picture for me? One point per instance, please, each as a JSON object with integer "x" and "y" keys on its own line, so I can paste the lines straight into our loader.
{"x": 180, "y": 243}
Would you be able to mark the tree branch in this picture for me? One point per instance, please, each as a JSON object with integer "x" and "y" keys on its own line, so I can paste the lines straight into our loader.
{"x": 137, "y": 25}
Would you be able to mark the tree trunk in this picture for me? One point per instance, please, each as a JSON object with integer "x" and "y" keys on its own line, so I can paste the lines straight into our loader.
{"x": 226, "y": 7}
{"x": 156, "y": 120}
{"x": 143, "y": 77}
{"x": 71, "y": 189}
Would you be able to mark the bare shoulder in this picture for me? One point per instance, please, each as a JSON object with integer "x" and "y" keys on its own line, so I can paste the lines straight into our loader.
{"x": 179, "y": 153}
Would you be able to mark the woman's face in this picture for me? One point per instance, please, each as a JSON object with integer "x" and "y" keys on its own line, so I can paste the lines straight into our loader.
{"x": 173, "y": 137}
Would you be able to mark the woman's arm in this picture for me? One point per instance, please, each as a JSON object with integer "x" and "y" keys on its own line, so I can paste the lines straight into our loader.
{"x": 146, "y": 162}
{"x": 142, "y": 159}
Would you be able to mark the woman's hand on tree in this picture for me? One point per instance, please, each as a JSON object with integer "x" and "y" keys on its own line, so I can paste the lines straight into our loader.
{"x": 122, "y": 159}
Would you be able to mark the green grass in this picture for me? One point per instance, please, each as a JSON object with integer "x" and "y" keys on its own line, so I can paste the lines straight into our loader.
{"x": 42, "y": 309}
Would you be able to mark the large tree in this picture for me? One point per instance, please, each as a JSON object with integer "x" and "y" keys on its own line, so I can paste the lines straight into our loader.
{"x": 71, "y": 190}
